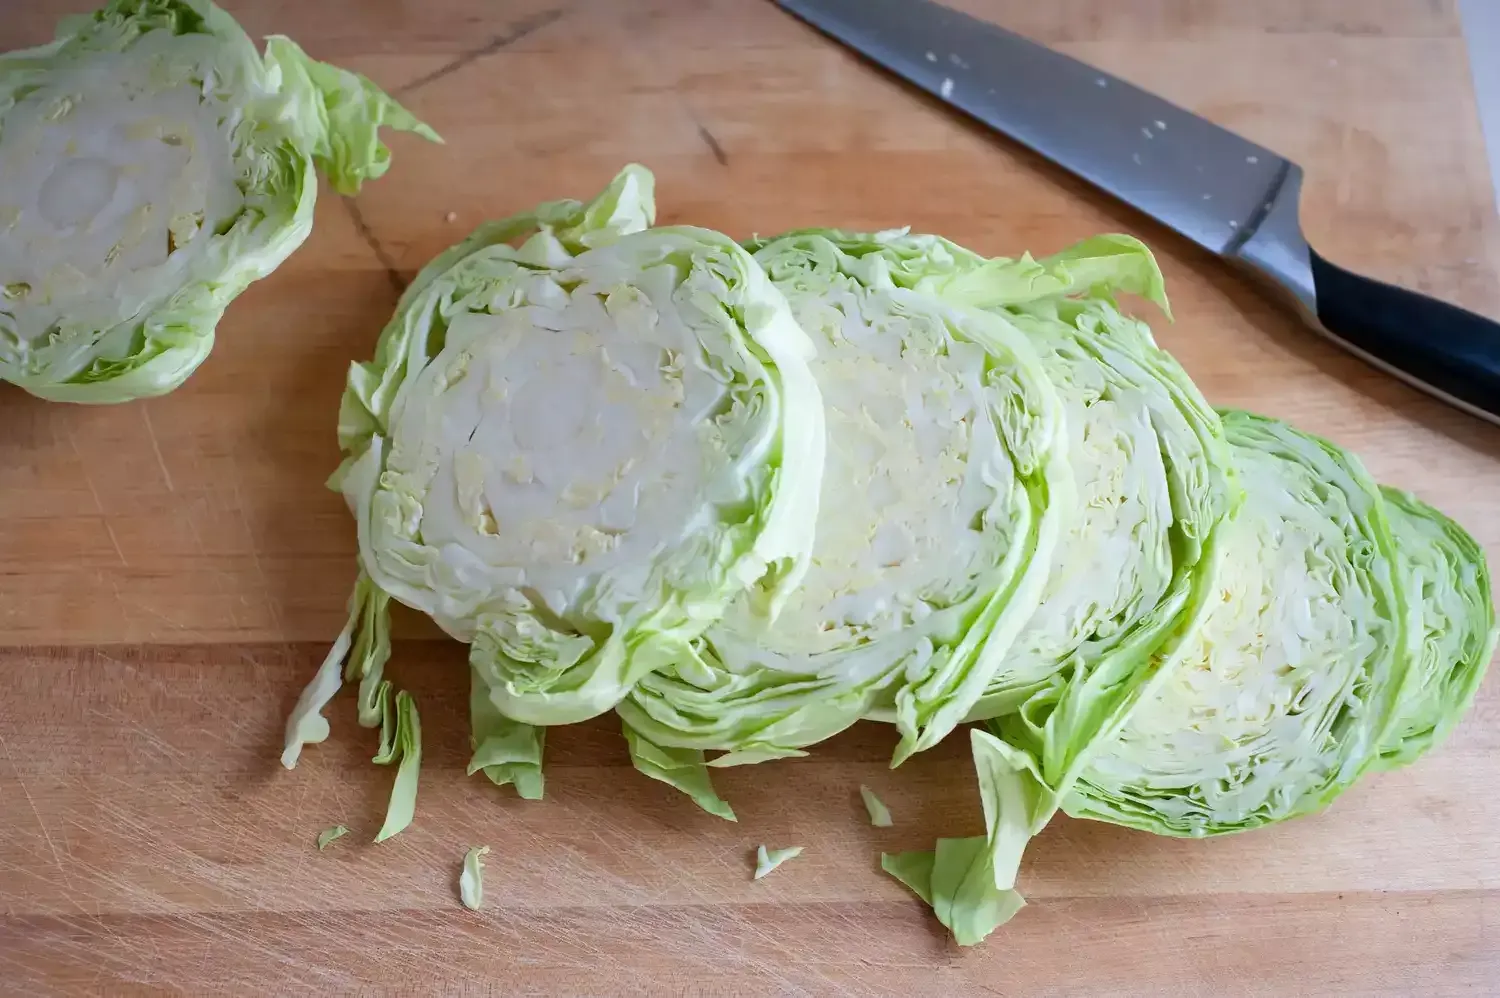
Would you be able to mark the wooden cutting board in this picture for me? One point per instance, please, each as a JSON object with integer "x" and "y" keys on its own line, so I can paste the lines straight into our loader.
{"x": 172, "y": 571}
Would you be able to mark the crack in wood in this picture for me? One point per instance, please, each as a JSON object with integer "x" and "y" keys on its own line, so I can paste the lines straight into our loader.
{"x": 514, "y": 33}
{"x": 398, "y": 281}
{"x": 713, "y": 144}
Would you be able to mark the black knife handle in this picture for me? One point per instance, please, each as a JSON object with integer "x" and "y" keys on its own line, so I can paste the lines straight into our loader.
{"x": 1450, "y": 350}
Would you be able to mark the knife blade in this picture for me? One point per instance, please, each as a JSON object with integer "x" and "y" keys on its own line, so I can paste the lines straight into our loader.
{"x": 1229, "y": 195}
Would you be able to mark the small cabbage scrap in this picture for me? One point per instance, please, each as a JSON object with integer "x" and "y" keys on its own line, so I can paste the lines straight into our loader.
{"x": 327, "y": 835}
{"x": 946, "y": 472}
{"x": 401, "y": 743}
{"x": 507, "y": 751}
{"x": 359, "y": 655}
{"x": 880, "y": 815}
{"x": 767, "y": 860}
{"x": 471, "y": 880}
{"x": 155, "y": 165}
{"x": 957, "y": 879}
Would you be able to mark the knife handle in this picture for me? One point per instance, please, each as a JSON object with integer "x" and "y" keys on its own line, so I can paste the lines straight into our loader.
{"x": 1445, "y": 350}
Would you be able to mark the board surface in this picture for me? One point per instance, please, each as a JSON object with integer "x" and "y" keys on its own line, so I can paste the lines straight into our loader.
{"x": 172, "y": 571}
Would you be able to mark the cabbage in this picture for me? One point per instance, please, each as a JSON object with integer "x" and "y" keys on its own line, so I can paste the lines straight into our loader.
{"x": 1448, "y": 584}
{"x": 767, "y": 860}
{"x": 154, "y": 166}
{"x": 471, "y": 878}
{"x": 1138, "y": 551}
{"x": 745, "y": 496}
{"x": 1287, "y": 688}
{"x": 328, "y": 835}
{"x": 1154, "y": 485}
{"x": 880, "y": 815}
{"x": 573, "y": 454}
{"x": 1266, "y": 702}
{"x": 946, "y": 472}
{"x": 957, "y": 878}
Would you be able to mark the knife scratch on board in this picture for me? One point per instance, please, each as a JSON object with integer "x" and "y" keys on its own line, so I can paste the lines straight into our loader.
{"x": 512, "y": 34}
{"x": 66, "y": 887}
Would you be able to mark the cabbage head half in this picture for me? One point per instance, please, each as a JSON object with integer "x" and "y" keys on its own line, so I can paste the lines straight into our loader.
{"x": 573, "y": 454}
{"x": 941, "y": 502}
{"x": 154, "y": 165}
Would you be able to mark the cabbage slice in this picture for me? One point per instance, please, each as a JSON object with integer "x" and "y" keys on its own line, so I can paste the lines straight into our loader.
{"x": 1448, "y": 580}
{"x": 1152, "y": 467}
{"x": 946, "y": 471}
{"x": 1266, "y": 703}
{"x": 1284, "y": 692}
{"x": 154, "y": 166}
{"x": 573, "y": 454}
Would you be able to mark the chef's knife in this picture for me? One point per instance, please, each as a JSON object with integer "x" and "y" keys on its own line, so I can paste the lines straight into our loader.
{"x": 1229, "y": 195}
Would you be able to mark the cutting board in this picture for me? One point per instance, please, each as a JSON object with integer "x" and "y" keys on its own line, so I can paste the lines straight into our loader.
{"x": 172, "y": 571}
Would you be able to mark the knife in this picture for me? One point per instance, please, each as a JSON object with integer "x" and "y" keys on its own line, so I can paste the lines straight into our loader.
{"x": 1234, "y": 198}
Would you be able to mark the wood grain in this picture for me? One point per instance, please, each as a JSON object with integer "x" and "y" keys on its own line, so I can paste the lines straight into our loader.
{"x": 171, "y": 571}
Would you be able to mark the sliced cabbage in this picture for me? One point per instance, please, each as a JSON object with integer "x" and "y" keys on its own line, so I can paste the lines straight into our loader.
{"x": 1288, "y": 687}
{"x": 940, "y": 508}
{"x": 154, "y": 166}
{"x": 1269, "y": 700}
{"x": 1154, "y": 487}
{"x": 1154, "y": 484}
{"x": 1448, "y": 582}
{"x": 573, "y": 454}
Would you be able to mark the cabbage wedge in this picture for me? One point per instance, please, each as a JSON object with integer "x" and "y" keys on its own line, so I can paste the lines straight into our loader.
{"x": 573, "y": 454}
{"x": 940, "y": 510}
{"x": 155, "y": 165}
